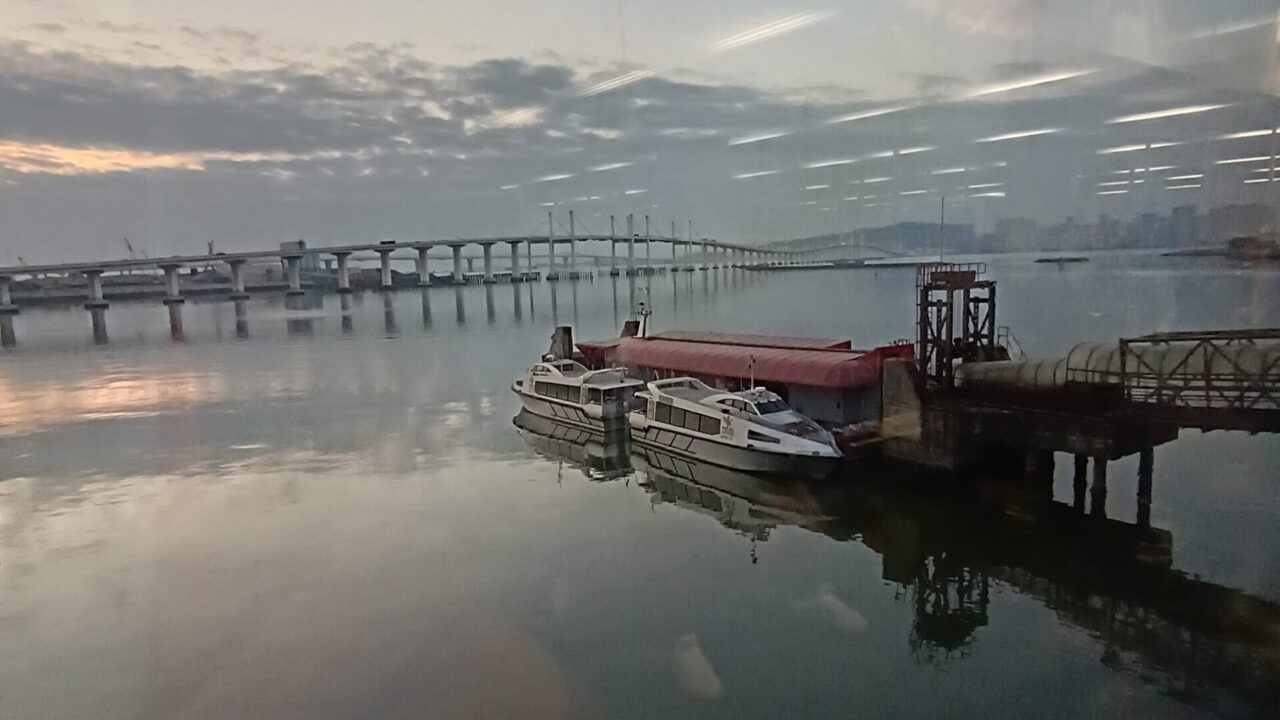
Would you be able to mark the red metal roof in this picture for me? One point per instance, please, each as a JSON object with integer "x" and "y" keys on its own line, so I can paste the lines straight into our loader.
{"x": 839, "y": 369}
{"x": 798, "y": 343}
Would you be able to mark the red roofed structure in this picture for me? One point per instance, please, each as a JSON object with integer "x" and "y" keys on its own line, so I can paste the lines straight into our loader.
{"x": 822, "y": 378}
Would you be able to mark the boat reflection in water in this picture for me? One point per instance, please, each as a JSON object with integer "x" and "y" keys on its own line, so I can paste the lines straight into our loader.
{"x": 597, "y": 454}
{"x": 945, "y": 546}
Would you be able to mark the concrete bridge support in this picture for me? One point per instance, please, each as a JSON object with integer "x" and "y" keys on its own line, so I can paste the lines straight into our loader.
{"x": 458, "y": 278}
{"x": 420, "y": 265}
{"x": 172, "y": 290}
{"x": 237, "y": 280}
{"x": 6, "y": 296}
{"x": 293, "y": 265}
{"x": 384, "y": 267}
{"x": 344, "y": 272}
{"x": 573, "y": 246}
{"x": 96, "y": 301}
{"x": 487, "y": 248}
{"x": 515, "y": 261}
{"x": 631, "y": 244}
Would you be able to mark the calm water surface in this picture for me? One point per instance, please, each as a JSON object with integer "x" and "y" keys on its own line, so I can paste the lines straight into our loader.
{"x": 334, "y": 516}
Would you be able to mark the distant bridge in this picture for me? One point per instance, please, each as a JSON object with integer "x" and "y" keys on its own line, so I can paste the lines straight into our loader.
{"x": 704, "y": 253}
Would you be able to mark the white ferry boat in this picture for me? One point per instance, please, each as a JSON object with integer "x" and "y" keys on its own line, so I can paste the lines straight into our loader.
{"x": 752, "y": 430}
{"x": 564, "y": 390}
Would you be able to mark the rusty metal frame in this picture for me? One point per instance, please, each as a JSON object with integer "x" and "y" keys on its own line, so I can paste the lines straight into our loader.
{"x": 1235, "y": 388}
{"x": 937, "y": 288}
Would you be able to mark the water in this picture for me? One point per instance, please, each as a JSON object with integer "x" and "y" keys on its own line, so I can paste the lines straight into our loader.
{"x": 334, "y": 516}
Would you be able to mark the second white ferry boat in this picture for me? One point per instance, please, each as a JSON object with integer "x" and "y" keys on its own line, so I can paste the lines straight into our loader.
{"x": 752, "y": 430}
{"x": 564, "y": 390}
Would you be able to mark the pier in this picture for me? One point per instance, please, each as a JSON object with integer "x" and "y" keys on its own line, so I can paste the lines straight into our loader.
{"x": 964, "y": 400}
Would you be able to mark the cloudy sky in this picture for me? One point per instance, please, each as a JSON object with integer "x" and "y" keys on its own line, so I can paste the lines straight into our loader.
{"x": 245, "y": 124}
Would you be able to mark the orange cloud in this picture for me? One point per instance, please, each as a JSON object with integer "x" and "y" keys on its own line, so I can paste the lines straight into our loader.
{"x": 47, "y": 159}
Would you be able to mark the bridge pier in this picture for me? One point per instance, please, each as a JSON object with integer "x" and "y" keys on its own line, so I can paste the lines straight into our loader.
{"x": 344, "y": 272}
{"x": 96, "y": 300}
{"x": 631, "y": 244}
{"x": 487, "y": 248}
{"x": 176, "y": 331}
{"x": 1098, "y": 492}
{"x": 515, "y": 261}
{"x": 1146, "y": 468}
{"x": 552, "y": 272}
{"x": 420, "y": 266}
{"x": 1079, "y": 482}
{"x": 98, "y": 321}
{"x": 172, "y": 288}
{"x": 293, "y": 264}
{"x": 384, "y": 267}
{"x": 573, "y": 247}
{"x": 237, "y": 279}
{"x": 8, "y": 338}
{"x": 458, "y": 278}
{"x": 6, "y": 296}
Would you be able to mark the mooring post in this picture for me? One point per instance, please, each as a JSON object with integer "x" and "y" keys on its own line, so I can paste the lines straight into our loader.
{"x": 1146, "y": 468}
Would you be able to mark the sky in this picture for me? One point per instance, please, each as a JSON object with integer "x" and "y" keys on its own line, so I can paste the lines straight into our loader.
{"x": 248, "y": 124}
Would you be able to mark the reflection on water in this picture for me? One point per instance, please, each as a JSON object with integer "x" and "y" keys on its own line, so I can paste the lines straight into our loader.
{"x": 945, "y": 551}
{"x": 321, "y": 522}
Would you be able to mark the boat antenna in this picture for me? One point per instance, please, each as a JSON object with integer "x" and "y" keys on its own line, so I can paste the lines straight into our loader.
{"x": 751, "y": 370}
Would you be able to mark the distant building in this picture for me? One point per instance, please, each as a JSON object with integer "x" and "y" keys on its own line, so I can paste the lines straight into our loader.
{"x": 310, "y": 260}
{"x": 1020, "y": 234}
{"x": 1230, "y": 221}
{"x": 1186, "y": 226}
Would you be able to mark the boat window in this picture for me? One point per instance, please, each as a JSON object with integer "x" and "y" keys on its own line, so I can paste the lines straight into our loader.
{"x": 677, "y": 416}
{"x": 710, "y": 425}
{"x": 768, "y": 407}
{"x": 662, "y": 413}
{"x": 761, "y": 437}
{"x": 593, "y": 395}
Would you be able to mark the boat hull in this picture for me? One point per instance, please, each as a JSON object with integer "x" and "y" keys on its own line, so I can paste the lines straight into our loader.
{"x": 733, "y": 457}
